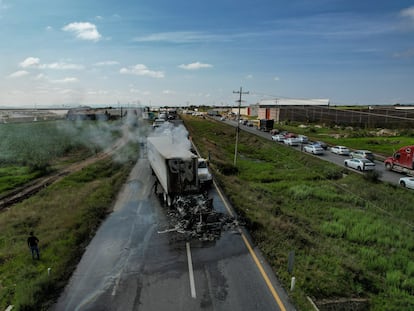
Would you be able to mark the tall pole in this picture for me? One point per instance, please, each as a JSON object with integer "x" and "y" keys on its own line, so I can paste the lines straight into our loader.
{"x": 238, "y": 123}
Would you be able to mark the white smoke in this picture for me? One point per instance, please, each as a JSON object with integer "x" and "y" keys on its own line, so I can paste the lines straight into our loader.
{"x": 178, "y": 134}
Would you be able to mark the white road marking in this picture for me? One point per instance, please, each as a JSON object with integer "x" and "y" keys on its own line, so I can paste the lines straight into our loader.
{"x": 191, "y": 271}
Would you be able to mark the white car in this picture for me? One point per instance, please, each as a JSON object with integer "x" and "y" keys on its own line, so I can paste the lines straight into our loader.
{"x": 292, "y": 141}
{"x": 278, "y": 137}
{"x": 406, "y": 182}
{"x": 303, "y": 139}
{"x": 342, "y": 150}
{"x": 314, "y": 149}
{"x": 360, "y": 164}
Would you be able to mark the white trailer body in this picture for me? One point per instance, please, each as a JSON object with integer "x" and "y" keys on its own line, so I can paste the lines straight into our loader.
{"x": 174, "y": 167}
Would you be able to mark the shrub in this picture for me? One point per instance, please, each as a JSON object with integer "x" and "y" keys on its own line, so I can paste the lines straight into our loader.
{"x": 373, "y": 176}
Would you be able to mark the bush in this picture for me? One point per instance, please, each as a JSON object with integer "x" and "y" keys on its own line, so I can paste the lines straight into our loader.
{"x": 373, "y": 176}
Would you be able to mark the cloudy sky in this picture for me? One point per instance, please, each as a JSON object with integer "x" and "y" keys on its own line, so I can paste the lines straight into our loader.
{"x": 175, "y": 53}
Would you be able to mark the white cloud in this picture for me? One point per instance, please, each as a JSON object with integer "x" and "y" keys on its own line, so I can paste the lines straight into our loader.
{"x": 30, "y": 62}
{"x": 142, "y": 70}
{"x": 408, "y": 12}
{"x": 107, "y": 63}
{"x": 276, "y": 78}
{"x": 195, "y": 66}
{"x": 34, "y": 62}
{"x": 65, "y": 80}
{"x": 168, "y": 92}
{"x": 181, "y": 37}
{"x": 137, "y": 91}
{"x": 84, "y": 31}
{"x": 18, "y": 74}
{"x": 249, "y": 77}
{"x": 40, "y": 76}
{"x": 61, "y": 66}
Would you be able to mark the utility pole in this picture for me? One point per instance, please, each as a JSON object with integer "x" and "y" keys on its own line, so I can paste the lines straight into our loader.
{"x": 238, "y": 123}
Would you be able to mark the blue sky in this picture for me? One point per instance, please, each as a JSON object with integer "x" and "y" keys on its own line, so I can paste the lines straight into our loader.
{"x": 175, "y": 53}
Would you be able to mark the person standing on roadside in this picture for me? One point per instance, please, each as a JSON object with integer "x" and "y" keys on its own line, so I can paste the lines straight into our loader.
{"x": 32, "y": 242}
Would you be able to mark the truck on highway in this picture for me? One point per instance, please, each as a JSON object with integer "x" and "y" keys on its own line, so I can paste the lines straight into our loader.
{"x": 402, "y": 161}
{"x": 266, "y": 125}
{"x": 175, "y": 168}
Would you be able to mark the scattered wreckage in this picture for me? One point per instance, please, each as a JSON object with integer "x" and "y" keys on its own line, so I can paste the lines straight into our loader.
{"x": 194, "y": 217}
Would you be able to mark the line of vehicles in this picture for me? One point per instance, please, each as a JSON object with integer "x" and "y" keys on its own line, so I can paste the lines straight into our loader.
{"x": 402, "y": 160}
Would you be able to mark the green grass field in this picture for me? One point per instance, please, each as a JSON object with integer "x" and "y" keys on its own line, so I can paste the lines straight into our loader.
{"x": 352, "y": 236}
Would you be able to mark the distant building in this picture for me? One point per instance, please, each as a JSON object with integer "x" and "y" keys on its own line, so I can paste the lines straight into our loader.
{"x": 276, "y": 109}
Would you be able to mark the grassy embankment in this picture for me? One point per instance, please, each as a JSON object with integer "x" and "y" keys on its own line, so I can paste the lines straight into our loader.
{"x": 352, "y": 237}
{"x": 64, "y": 216}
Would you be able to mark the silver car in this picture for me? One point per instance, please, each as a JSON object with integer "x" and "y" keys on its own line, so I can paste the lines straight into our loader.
{"x": 292, "y": 141}
{"x": 314, "y": 149}
{"x": 278, "y": 137}
{"x": 342, "y": 150}
{"x": 362, "y": 154}
{"x": 360, "y": 164}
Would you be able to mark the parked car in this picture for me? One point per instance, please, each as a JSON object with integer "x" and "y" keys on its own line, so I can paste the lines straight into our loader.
{"x": 406, "y": 182}
{"x": 289, "y": 135}
{"x": 278, "y": 137}
{"x": 360, "y": 164}
{"x": 342, "y": 150}
{"x": 362, "y": 154}
{"x": 303, "y": 139}
{"x": 292, "y": 141}
{"x": 322, "y": 144}
{"x": 314, "y": 149}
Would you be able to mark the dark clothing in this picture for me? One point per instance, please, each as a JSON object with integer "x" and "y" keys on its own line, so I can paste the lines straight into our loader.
{"x": 32, "y": 242}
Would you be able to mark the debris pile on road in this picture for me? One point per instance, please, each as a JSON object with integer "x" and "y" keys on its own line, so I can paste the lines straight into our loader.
{"x": 194, "y": 217}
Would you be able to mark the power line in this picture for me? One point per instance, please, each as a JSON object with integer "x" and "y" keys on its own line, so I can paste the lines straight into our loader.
{"x": 238, "y": 123}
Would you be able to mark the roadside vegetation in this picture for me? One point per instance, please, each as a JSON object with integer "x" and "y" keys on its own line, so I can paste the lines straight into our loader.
{"x": 31, "y": 150}
{"x": 352, "y": 236}
{"x": 65, "y": 215}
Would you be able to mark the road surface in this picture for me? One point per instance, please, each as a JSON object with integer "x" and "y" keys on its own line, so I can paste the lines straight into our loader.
{"x": 129, "y": 265}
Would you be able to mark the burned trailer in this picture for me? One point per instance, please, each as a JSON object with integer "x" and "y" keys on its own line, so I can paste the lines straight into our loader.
{"x": 174, "y": 167}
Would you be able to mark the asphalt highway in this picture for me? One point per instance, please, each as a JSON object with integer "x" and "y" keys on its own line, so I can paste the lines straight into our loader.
{"x": 133, "y": 264}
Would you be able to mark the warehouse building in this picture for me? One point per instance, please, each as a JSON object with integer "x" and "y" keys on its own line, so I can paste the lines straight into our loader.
{"x": 280, "y": 109}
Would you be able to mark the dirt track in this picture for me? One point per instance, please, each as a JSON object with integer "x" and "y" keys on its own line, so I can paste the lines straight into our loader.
{"x": 33, "y": 187}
